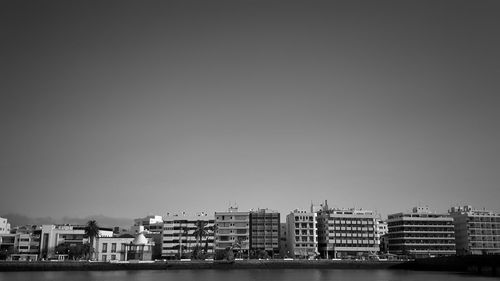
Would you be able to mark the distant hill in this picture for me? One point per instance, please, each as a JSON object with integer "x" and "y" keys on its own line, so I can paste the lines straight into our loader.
{"x": 104, "y": 221}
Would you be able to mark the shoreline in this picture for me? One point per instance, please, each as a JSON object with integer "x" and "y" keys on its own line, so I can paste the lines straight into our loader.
{"x": 476, "y": 265}
{"x": 195, "y": 264}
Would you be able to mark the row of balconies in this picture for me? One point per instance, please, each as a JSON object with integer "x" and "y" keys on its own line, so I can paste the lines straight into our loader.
{"x": 423, "y": 230}
{"x": 420, "y": 242}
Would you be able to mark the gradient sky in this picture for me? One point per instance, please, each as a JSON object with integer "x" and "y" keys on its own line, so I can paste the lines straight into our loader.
{"x": 133, "y": 108}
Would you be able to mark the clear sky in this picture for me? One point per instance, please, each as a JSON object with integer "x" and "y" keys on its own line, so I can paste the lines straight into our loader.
{"x": 146, "y": 107}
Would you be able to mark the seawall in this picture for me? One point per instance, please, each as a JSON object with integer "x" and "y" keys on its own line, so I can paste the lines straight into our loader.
{"x": 170, "y": 265}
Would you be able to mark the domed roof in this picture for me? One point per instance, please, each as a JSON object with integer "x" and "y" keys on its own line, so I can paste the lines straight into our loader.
{"x": 140, "y": 239}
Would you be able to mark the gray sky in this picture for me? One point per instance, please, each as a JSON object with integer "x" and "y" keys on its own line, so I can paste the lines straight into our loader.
{"x": 128, "y": 109}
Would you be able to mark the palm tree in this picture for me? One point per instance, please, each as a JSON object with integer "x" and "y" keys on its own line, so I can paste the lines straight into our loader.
{"x": 92, "y": 231}
{"x": 200, "y": 231}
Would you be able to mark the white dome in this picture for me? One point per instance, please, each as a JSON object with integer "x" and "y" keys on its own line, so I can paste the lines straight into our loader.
{"x": 140, "y": 239}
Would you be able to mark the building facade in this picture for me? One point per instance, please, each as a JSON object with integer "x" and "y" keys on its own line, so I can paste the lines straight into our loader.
{"x": 302, "y": 239}
{"x": 124, "y": 248}
{"x": 111, "y": 248}
{"x": 477, "y": 232}
{"x": 179, "y": 238}
{"x": 232, "y": 231}
{"x": 54, "y": 235}
{"x": 150, "y": 224}
{"x": 283, "y": 245}
{"x": 421, "y": 233}
{"x": 265, "y": 231}
{"x": 347, "y": 233}
{"x": 4, "y": 226}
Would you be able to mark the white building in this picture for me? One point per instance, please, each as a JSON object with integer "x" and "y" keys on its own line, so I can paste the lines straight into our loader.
{"x": 302, "y": 239}
{"x": 54, "y": 235}
{"x": 232, "y": 230}
{"x": 178, "y": 239}
{"x": 150, "y": 224}
{"x": 381, "y": 230}
{"x": 4, "y": 226}
{"x": 477, "y": 231}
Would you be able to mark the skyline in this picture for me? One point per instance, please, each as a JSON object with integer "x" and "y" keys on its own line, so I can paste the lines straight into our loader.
{"x": 125, "y": 110}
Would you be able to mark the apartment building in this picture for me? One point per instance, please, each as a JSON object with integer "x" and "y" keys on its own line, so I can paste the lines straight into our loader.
{"x": 265, "y": 231}
{"x": 302, "y": 239}
{"x": 381, "y": 231}
{"x": 477, "y": 231}
{"x": 283, "y": 245}
{"x": 22, "y": 244}
{"x": 179, "y": 239}
{"x": 347, "y": 232}
{"x": 421, "y": 233}
{"x": 232, "y": 231}
{"x": 150, "y": 224}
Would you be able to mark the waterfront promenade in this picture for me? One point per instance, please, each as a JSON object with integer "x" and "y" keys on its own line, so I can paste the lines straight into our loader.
{"x": 194, "y": 264}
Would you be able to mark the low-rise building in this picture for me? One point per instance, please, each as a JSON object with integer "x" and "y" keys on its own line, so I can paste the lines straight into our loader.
{"x": 124, "y": 248}
{"x": 421, "y": 233}
{"x": 302, "y": 239}
{"x": 476, "y": 231}
{"x": 71, "y": 235}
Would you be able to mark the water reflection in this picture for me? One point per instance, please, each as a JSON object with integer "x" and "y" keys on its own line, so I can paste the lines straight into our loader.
{"x": 241, "y": 275}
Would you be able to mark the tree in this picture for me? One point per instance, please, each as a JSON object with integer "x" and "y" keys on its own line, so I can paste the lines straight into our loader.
{"x": 237, "y": 245}
{"x": 92, "y": 231}
{"x": 186, "y": 235}
{"x": 200, "y": 231}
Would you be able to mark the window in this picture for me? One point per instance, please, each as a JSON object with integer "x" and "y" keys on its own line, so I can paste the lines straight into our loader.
{"x": 104, "y": 257}
{"x": 113, "y": 257}
{"x": 113, "y": 247}
{"x": 104, "y": 248}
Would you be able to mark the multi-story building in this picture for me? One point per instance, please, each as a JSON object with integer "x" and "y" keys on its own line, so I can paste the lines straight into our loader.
{"x": 152, "y": 228}
{"x": 381, "y": 230}
{"x": 421, "y": 233}
{"x": 302, "y": 239}
{"x": 265, "y": 231}
{"x": 232, "y": 231}
{"x": 150, "y": 224}
{"x": 476, "y": 231}
{"x": 22, "y": 244}
{"x": 283, "y": 245}
{"x": 347, "y": 232}
{"x": 179, "y": 237}
{"x": 4, "y": 226}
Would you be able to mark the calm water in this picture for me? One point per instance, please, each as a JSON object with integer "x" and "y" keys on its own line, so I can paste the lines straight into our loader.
{"x": 241, "y": 275}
